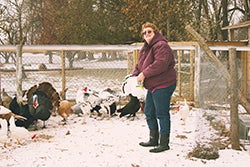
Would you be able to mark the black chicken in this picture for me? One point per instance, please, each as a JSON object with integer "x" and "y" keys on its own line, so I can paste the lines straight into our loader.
{"x": 97, "y": 108}
{"x": 130, "y": 108}
{"x": 112, "y": 109}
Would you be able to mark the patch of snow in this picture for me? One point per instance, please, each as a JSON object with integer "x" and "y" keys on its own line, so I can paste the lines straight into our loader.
{"x": 113, "y": 142}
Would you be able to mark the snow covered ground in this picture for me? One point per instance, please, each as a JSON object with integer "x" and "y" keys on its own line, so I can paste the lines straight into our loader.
{"x": 113, "y": 142}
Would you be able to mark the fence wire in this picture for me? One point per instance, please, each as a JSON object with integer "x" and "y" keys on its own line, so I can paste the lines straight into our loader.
{"x": 214, "y": 88}
{"x": 100, "y": 70}
{"x": 94, "y": 70}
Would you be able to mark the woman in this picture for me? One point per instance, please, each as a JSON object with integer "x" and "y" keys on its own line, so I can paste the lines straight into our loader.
{"x": 155, "y": 70}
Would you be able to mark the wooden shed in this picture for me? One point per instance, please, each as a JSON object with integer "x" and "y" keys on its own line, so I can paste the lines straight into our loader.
{"x": 245, "y": 55}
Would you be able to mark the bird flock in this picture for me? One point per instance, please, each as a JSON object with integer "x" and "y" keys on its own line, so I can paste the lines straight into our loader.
{"x": 42, "y": 101}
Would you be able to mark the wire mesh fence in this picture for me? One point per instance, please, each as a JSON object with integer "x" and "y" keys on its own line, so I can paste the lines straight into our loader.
{"x": 96, "y": 70}
{"x": 107, "y": 69}
{"x": 214, "y": 87}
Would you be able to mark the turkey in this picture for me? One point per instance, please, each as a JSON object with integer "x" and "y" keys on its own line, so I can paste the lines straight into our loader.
{"x": 40, "y": 106}
{"x": 42, "y": 100}
{"x": 51, "y": 92}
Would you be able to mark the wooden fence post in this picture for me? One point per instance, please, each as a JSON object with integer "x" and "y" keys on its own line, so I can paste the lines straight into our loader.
{"x": 191, "y": 80}
{"x": 179, "y": 57}
{"x": 234, "y": 117}
{"x": 63, "y": 76}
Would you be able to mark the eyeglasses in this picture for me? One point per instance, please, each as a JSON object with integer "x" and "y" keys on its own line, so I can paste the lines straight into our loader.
{"x": 145, "y": 32}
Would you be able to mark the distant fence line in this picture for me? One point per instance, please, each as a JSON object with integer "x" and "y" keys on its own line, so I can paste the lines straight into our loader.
{"x": 195, "y": 72}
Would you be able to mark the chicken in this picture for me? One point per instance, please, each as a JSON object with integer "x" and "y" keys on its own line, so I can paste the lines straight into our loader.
{"x": 94, "y": 101}
{"x": 131, "y": 86}
{"x": 83, "y": 98}
{"x": 77, "y": 109}
{"x": 112, "y": 109}
{"x": 130, "y": 108}
{"x": 3, "y": 131}
{"x": 64, "y": 109}
{"x": 40, "y": 106}
{"x": 6, "y": 113}
{"x": 184, "y": 111}
{"x": 108, "y": 100}
{"x": 6, "y": 99}
{"x": 82, "y": 95}
{"x": 19, "y": 134}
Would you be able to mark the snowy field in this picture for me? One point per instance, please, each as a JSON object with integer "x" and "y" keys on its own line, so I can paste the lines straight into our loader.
{"x": 113, "y": 142}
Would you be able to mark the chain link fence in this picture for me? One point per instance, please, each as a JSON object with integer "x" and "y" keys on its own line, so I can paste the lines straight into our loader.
{"x": 107, "y": 69}
{"x": 213, "y": 86}
{"x": 92, "y": 69}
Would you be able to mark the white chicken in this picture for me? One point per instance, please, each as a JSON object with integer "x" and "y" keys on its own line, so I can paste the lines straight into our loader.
{"x": 89, "y": 100}
{"x": 82, "y": 100}
{"x": 82, "y": 94}
{"x": 19, "y": 134}
{"x": 131, "y": 86}
{"x": 184, "y": 111}
{"x": 3, "y": 131}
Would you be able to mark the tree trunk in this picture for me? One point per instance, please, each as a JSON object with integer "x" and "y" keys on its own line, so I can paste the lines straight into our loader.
{"x": 242, "y": 100}
{"x": 19, "y": 74}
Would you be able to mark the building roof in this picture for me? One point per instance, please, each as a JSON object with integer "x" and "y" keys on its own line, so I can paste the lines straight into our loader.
{"x": 237, "y": 26}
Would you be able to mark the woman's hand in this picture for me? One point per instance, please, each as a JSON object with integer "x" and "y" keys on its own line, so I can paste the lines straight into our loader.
{"x": 140, "y": 77}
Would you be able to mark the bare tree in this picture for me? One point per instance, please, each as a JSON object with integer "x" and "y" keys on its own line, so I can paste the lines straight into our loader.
{"x": 17, "y": 19}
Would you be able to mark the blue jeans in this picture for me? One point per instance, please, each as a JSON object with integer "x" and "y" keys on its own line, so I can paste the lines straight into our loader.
{"x": 157, "y": 106}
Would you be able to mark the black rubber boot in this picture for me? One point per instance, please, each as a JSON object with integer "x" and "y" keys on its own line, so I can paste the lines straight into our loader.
{"x": 153, "y": 139}
{"x": 164, "y": 141}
